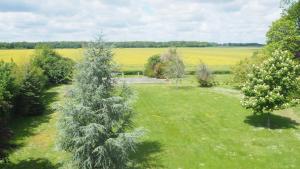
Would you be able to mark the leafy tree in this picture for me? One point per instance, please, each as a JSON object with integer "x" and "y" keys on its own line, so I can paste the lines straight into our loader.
{"x": 174, "y": 65}
{"x": 154, "y": 67}
{"x": 30, "y": 97}
{"x": 272, "y": 85}
{"x": 96, "y": 116}
{"x": 283, "y": 35}
{"x": 57, "y": 68}
{"x": 204, "y": 76}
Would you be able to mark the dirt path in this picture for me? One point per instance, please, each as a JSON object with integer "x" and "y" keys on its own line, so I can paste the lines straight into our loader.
{"x": 141, "y": 80}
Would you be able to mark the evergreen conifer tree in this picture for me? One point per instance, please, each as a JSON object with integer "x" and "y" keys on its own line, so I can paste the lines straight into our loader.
{"x": 96, "y": 115}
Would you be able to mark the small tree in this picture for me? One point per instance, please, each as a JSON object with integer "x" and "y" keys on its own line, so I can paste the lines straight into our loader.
{"x": 204, "y": 76}
{"x": 272, "y": 85}
{"x": 31, "y": 90}
{"x": 174, "y": 65}
{"x": 95, "y": 117}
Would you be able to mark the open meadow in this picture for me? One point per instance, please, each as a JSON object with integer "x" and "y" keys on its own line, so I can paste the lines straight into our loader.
{"x": 135, "y": 58}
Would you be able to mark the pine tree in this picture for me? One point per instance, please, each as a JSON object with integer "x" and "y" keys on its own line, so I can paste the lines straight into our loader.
{"x": 96, "y": 115}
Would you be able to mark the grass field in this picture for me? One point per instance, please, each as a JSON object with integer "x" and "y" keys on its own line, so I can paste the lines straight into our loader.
{"x": 187, "y": 128}
{"x": 135, "y": 58}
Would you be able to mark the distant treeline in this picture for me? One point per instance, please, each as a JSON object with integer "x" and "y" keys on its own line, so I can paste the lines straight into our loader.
{"x": 129, "y": 44}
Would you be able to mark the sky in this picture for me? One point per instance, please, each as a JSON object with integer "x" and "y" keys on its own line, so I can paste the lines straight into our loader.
{"x": 137, "y": 20}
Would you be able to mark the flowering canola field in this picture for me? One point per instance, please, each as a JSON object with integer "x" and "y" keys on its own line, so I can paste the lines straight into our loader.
{"x": 135, "y": 58}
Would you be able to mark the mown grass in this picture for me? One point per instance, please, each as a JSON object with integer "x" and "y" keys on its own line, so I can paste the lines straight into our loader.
{"x": 196, "y": 128}
{"x": 135, "y": 58}
{"x": 187, "y": 127}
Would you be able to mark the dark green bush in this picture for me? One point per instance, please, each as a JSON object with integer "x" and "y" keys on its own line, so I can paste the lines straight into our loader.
{"x": 57, "y": 68}
{"x": 154, "y": 67}
{"x": 7, "y": 90}
{"x": 30, "y": 97}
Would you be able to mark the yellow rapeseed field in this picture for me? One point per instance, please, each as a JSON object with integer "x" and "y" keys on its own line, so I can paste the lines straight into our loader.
{"x": 135, "y": 58}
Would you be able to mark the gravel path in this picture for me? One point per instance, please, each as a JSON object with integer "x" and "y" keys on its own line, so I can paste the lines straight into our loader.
{"x": 141, "y": 80}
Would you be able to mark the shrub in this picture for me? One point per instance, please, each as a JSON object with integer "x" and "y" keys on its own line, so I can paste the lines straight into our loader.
{"x": 57, "y": 68}
{"x": 244, "y": 67}
{"x": 30, "y": 97}
{"x": 204, "y": 76}
{"x": 7, "y": 90}
{"x": 154, "y": 67}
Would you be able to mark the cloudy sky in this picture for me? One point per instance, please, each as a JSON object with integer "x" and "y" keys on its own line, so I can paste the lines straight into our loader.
{"x": 126, "y": 20}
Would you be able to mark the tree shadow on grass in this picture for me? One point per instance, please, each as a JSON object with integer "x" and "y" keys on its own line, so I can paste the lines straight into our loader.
{"x": 182, "y": 87}
{"x": 277, "y": 122}
{"x": 39, "y": 163}
{"x": 147, "y": 155}
{"x": 23, "y": 126}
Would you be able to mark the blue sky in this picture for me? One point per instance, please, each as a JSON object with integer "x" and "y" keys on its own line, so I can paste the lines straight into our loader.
{"x": 127, "y": 20}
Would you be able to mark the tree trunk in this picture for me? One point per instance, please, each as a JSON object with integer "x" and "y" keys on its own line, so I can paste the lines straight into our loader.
{"x": 269, "y": 122}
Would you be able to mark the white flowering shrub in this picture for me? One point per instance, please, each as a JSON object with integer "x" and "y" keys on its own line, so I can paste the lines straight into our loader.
{"x": 272, "y": 85}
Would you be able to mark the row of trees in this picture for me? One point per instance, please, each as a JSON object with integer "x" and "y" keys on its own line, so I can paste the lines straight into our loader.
{"x": 22, "y": 88}
{"x": 270, "y": 77}
{"x": 129, "y": 44}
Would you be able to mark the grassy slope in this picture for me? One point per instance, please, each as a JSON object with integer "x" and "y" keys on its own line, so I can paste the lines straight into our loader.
{"x": 135, "y": 58}
{"x": 188, "y": 128}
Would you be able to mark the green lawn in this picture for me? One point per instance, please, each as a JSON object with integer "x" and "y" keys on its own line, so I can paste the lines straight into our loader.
{"x": 187, "y": 128}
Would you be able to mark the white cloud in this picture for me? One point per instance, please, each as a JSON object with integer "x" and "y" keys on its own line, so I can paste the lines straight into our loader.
{"x": 123, "y": 20}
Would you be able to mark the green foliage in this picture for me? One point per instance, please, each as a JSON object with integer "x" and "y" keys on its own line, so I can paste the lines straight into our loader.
{"x": 31, "y": 90}
{"x": 244, "y": 67}
{"x": 95, "y": 116}
{"x": 272, "y": 85}
{"x": 130, "y": 44}
{"x": 57, "y": 68}
{"x": 204, "y": 76}
{"x": 154, "y": 67}
{"x": 7, "y": 90}
{"x": 283, "y": 35}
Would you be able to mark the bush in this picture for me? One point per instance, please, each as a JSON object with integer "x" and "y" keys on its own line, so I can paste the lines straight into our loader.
{"x": 244, "y": 67}
{"x": 7, "y": 90}
{"x": 154, "y": 67}
{"x": 204, "y": 76}
{"x": 30, "y": 97}
{"x": 57, "y": 68}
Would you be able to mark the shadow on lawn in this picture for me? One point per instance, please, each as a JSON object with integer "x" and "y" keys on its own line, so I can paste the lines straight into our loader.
{"x": 23, "y": 126}
{"x": 277, "y": 122}
{"x": 39, "y": 163}
{"x": 147, "y": 155}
